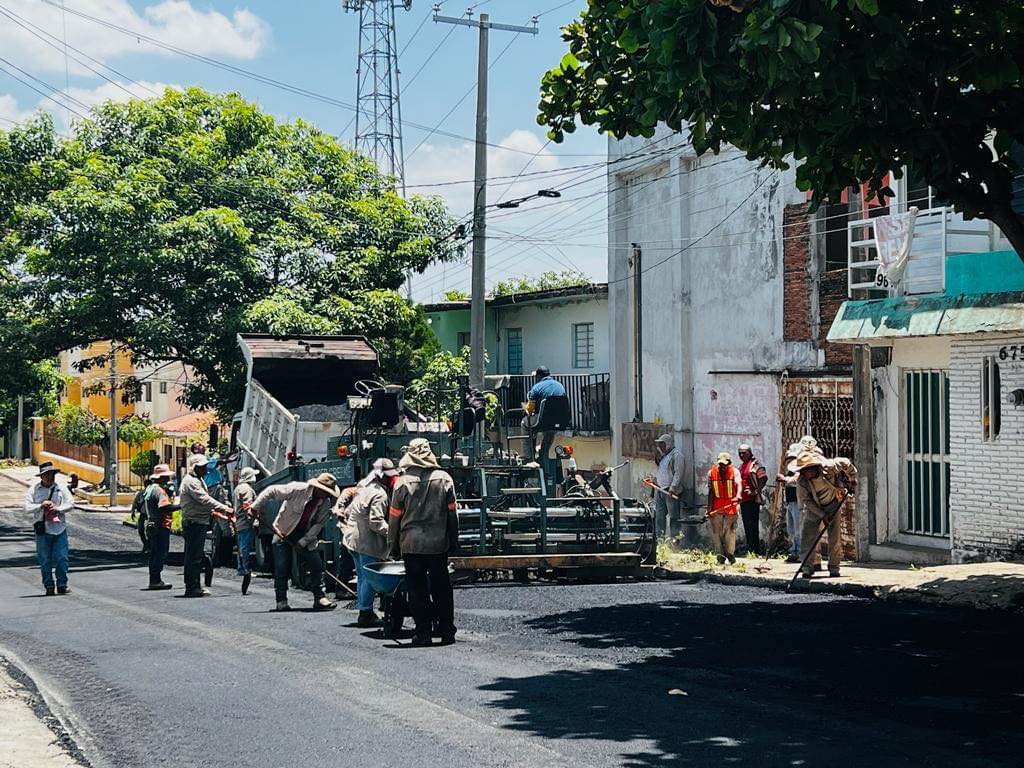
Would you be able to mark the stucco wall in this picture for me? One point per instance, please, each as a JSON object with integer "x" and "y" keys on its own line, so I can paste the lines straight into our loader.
{"x": 547, "y": 333}
{"x": 710, "y": 231}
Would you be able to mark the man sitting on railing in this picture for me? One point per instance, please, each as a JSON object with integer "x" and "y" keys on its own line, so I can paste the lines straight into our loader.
{"x": 544, "y": 387}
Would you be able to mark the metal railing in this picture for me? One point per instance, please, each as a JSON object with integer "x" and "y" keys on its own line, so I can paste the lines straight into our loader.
{"x": 937, "y": 232}
{"x": 588, "y": 393}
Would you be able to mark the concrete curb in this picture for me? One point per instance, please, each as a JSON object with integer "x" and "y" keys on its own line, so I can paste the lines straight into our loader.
{"x": 78, "y": 507}
{"x": 890, "y": 593}
{"x": 15, "y": 478}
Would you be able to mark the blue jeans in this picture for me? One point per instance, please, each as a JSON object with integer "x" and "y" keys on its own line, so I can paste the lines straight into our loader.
{"x": 365, "y": 593}
{"x": 793, "y": 526}
{"x": 245, "y": 539}
{"x": 52, "y": 553}
{"x": 283, "y": 568}
{"x": 159, "y": 543}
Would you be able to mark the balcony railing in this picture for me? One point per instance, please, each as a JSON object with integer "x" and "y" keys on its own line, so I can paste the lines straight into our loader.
{"x": 588, "y": 395}
{"x": 937, "y": 232}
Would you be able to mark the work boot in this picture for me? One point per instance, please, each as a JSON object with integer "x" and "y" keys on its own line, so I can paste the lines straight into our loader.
{"x": 160, "y": 585}
{"x": 323, "y": 604}
{"x": 50, "y": 592}
{"x": 200, "y": 593}
{"x": 732, "y": 559}
{"x": 246, "y": 580}
{"x": 421, "y": 641}
{"x": 806, "y": 575}
{"x": 721, "y": 559}
{"x": 282, "y": 606}
{"x": 368, "y": 619}
{"x": 833, "y": 573}
{"x": 65, "y": 590}
{"x": 792, "y": 559}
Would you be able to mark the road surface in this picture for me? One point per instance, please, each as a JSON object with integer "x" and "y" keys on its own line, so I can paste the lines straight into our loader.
{"x": 630, "y": 674}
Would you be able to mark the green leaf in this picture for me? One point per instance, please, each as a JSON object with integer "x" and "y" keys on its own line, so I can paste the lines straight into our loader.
{"x": 628, "y": 41}
{"x": 569, "y": 61}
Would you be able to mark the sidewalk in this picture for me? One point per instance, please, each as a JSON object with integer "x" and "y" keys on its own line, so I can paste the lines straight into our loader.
{"x": 31, "y": 736}
{"x": 976, "y": 585}
{"x": 25, "y": 476}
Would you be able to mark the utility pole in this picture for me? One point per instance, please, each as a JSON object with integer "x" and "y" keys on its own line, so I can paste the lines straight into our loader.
{"x": 19, "y": 436}
{"x": 477, "y": 313}
{"x": 113, "y": 423}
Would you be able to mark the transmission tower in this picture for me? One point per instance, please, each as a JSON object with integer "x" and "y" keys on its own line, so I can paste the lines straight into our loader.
{"x": 378, "y": 109}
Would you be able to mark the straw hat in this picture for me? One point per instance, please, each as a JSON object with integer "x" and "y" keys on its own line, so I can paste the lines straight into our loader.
{"x": 46, "y": 467}
{"x": 795, "y": 449}
{"x": 326, "y": 483}
{"x": 724, "y": 458}
{"x": 806, "y": 460}
{"x": 161, "y": 470}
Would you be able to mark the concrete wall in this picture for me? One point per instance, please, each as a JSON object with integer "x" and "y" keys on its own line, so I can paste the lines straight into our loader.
{"x": 547, "y": 333}
{"x": 987, "y": 506}
{"x": 710, "y": 230}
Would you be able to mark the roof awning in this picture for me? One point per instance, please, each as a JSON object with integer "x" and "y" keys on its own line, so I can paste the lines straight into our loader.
{"x": 879, "y": 321}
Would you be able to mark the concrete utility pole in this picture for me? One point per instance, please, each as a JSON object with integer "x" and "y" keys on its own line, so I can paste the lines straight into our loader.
{"x": 477, "y": 314}
{"x": 113, "y": 423}
{"x": 19, "y": 440}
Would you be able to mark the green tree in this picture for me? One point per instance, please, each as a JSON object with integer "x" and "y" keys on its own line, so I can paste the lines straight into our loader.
{"x": 173, "y": 223}
{"x": 546, "y": 281}
{"x": 436, "y": 392}
{"x": 849, "y": 89}
{"x": 78, "y": 426}
{"x": 142, "y": 465}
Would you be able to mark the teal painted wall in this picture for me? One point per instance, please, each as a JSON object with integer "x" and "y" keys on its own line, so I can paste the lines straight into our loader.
{"x": 449, "y": 324}
{"x": 993, "y": 272}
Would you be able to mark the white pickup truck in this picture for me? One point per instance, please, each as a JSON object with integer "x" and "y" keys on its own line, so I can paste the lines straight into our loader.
{"x": 296, "y": 395}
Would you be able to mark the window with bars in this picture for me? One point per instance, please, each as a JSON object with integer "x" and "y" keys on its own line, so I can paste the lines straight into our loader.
{"x": 514, "y": 345}
{"x": 991, "y": 397}
{"x": 163, "y": 387}
{"x": 583, "y": 345}
{"x": 148, "y": 391}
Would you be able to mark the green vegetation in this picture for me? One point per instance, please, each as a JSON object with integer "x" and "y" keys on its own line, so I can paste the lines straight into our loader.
{"x": 546, "y": 281}
{"x": 850, "y": 90}
{"x": 172, "y": 224}
{"x": 77, "y": 426}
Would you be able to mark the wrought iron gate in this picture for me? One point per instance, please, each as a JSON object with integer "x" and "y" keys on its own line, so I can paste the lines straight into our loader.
{"x": 924, "y": 446}
{"x": 824, "y": 409}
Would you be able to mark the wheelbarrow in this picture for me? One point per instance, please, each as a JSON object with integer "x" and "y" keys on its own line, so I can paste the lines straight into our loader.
{"x": 387, "y": 578}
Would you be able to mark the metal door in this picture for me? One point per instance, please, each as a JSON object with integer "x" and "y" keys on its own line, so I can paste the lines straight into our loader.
{"x": 924, "y": 450}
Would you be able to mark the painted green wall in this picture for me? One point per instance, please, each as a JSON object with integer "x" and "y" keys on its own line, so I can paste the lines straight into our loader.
{"x": 993, "y": 272}
{"x": 449, "y": 324}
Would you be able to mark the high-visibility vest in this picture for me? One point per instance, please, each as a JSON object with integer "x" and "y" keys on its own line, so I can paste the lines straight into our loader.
{"x": 723, "y": 486}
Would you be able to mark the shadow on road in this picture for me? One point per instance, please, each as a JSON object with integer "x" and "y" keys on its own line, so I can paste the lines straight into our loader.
{"x": 851, "y": 683}
{"x": 79, "y": 560}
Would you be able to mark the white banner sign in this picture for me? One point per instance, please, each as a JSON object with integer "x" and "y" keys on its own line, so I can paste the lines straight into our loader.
{"x": 894, "y": 235}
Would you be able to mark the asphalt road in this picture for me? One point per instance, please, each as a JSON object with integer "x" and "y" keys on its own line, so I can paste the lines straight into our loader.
{"x": 630, "y": 674}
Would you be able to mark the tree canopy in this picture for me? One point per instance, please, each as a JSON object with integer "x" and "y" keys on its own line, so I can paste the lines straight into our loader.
{"x": 171, "y": 224}
{"x": 850, "y": 89}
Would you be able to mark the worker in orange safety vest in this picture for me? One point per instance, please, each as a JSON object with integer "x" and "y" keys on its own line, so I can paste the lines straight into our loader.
{"x": 723, "y": 504}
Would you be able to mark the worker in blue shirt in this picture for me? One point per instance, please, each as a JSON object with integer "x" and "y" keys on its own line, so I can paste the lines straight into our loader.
{"x": 544, "y": 387}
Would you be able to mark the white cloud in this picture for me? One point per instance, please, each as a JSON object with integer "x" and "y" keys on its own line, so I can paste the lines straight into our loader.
{"x": 439, "y": 163}
{"x": 115, "y": 91}
{"x": 10, "y": 112}
{"x": 242, "y": 35}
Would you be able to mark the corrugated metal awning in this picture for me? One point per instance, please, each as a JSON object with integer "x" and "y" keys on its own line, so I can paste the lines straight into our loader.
{"x": 881, "y": 320}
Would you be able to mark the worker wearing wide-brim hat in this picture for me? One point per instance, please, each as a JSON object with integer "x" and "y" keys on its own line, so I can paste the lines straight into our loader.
{"x": 305, "y": 507}
{"x": 159, "y": 515}
{"x": 821, "y": 488}
{"x": 723, "y": 504}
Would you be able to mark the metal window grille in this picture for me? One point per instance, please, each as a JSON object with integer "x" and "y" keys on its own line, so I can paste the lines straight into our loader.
{"x": 925, "y": 451}
{"x": 583, "y": 345}
{"x": 163, "y": 387}
{"x": 514, "y": 340}
{"x": 991, "y": 397}
{"x": 149, "y": 392}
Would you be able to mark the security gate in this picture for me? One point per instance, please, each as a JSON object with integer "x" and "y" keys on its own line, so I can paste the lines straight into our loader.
{"x": 822, "y": 408}
{"x": 924, "y": 450}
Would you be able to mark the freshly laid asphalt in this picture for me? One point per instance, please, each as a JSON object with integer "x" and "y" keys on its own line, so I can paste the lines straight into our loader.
{"x": 623, "y": 674}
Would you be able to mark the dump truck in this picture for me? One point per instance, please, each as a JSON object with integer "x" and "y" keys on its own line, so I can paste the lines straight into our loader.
{"x": 296, "y": 396}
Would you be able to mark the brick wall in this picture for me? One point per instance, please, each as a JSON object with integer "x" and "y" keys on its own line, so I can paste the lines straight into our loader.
{"x": 986, "y": 502}
{"x": 796, "y": 259}
{"x": 832, "y": 290}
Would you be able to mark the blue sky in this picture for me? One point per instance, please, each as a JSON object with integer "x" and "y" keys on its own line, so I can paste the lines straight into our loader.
{"x": 312, "y": 43}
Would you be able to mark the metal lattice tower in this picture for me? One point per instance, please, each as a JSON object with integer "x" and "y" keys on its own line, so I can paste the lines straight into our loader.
{"x": 378, "y": 109}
